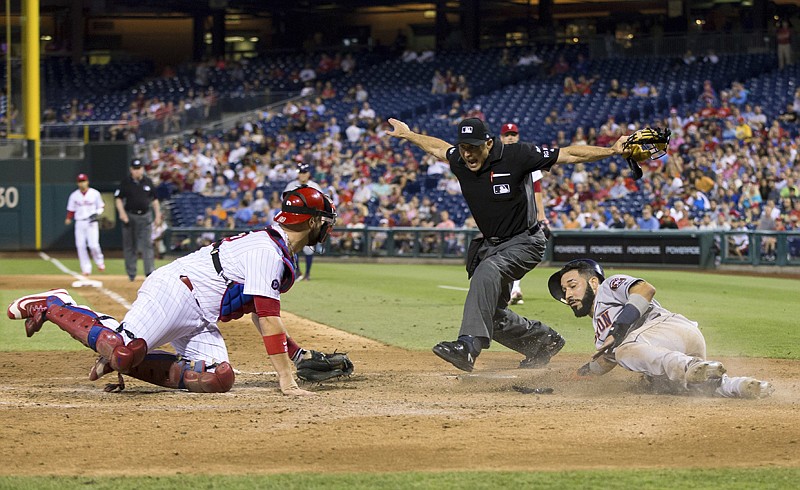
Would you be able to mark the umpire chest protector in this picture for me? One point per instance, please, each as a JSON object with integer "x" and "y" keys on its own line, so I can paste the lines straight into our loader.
{"x": 496, "y": 194}
{"x": 235, "y": 303}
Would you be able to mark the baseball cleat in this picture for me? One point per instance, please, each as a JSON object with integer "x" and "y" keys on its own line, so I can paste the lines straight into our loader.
{"x": 542, "y": 358}
{"x": 753, "y": 388}
{"x": 516, "y": 299}
{"x": 456, "y": 353}
{"x": 26, "y": 306}
{"x": 700, "y": 371}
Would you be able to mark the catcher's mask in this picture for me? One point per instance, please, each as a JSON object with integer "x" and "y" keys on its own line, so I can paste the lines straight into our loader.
{"x": 303, "y": 203}
{"x": 583, "y": 265}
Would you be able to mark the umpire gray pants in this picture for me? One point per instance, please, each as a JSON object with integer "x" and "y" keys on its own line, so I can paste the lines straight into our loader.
{"x": 136, "y": 239}
{"x": 486, "y": 312}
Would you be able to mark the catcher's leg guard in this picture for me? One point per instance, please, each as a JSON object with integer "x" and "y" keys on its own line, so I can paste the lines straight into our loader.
{"x": 168, "y": 370}
{"x": 83, "y": 325}
{"x": 220, "y": 381}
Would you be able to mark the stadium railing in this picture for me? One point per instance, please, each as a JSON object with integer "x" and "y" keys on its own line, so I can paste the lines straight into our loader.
{"x": 663, "y": 248}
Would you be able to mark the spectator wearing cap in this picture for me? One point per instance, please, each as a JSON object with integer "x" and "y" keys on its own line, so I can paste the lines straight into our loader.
{"x": 303, "y": 179}
{"x": 84, "y": 207}
{"x": 138, "y": 209}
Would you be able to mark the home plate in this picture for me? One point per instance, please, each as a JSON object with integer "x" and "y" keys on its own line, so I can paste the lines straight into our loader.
{"x": 90, "y": 283}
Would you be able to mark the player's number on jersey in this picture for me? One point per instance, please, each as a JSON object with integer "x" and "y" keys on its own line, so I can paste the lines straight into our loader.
{"x": 9, "y": 197}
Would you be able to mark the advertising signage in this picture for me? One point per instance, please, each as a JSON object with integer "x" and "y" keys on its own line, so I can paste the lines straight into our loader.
{"x": 629, "y": 248}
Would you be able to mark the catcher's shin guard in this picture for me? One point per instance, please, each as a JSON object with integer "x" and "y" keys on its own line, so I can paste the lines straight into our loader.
{"x": 83, "y": 325}
{"x": 168, "y": 370}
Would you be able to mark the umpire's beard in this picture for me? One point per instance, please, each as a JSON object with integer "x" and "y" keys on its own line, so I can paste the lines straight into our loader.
{"x": 586, "y": 303}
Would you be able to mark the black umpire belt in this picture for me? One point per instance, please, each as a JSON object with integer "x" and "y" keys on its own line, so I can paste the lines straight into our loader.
{"x": 497, "y": 240}
{"x": 133, "y": 211}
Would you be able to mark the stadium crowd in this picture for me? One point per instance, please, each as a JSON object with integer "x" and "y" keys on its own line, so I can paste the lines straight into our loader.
{"x": 729, "y": 167}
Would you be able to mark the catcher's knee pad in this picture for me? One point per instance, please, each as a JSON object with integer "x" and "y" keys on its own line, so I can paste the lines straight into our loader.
{"x": 199, "y": 380}
{"x": 122, "y": 357}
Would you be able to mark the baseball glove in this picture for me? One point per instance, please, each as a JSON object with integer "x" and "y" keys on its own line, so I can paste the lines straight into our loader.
{"x": 321, "y": 366}
{"x": 645, "y": 144}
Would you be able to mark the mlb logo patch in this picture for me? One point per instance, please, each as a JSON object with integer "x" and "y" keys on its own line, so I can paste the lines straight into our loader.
{"x": 466, "y": 130}
{"x": 502, "y": 189}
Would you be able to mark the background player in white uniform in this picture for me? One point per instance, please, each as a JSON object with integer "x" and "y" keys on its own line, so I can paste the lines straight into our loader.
{"x": 633, "y": 330}
{"x": 182, "y": 302}
{"x": 84, "y": 207}
{"x": 509, "y": 135}
{"x": 304, "y": 178}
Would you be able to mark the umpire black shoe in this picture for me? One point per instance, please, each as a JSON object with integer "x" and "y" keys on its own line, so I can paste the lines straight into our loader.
{"x": 551, "y": 346}
{"x": 456, "y": 353}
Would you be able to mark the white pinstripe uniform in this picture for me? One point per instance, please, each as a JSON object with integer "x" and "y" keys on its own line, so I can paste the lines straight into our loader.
{"x": 87, "y": 233}
{"x": 166, "y": 311}
{"x": 660, "y": 344}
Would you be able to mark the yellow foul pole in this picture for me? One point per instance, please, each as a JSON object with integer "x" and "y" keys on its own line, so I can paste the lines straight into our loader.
{"x": 31, "y": 96}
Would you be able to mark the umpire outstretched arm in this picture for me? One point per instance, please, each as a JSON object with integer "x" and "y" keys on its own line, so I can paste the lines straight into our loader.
{"x": 436, "y": 147}
{"x": 569, "y": 154}
{"x": 586, "y": 153}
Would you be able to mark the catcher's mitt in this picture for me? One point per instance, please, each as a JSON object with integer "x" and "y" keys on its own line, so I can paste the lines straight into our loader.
{"x": 645, "y": 144}
{"x": 321, "y": 366}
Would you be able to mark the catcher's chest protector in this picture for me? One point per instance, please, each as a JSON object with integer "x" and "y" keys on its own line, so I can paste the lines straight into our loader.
{"x": 236, "y": 304}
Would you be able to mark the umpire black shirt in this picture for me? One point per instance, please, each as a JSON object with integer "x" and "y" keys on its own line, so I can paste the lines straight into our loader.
{"x": 136, "y": 195}
{"x": 496, "y": 194}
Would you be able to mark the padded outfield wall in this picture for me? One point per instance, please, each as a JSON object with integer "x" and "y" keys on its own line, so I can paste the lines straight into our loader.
{"x": 104, "y": 163}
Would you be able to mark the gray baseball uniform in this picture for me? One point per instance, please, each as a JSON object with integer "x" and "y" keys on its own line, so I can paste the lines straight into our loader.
{"x": 661, "y": 344}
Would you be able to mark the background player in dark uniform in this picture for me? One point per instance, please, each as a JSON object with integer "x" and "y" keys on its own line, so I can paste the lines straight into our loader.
{"x": 134, "y": 198}
{"x": 492, "y": 177}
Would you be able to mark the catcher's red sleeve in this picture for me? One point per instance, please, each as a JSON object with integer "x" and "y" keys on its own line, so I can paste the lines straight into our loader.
{"x": 267, "y": 306}
{"x": 537, "y": 186}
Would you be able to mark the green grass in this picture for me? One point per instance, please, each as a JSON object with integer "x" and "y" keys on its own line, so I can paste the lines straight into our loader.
{"x": 12, "y": 332}
{"x": 403, "y": 305}
{"x": 724, "y": 478}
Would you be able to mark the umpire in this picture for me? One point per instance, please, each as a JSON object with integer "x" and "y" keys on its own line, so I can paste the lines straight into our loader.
{"x": 492, "y": 177}
{"x": 134, "y": 199}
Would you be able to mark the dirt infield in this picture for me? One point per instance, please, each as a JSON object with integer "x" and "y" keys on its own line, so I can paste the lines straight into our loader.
{"x": 400, "y": 411}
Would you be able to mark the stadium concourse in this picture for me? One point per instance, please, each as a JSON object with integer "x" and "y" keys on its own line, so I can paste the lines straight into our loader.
{"x": 734, "y": 120}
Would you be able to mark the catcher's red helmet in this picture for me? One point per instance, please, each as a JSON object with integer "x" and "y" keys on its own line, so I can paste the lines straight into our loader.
{"x": 301, "y": 204}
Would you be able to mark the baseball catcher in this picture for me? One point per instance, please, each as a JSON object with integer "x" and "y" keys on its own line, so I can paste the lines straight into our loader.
{"x": 318, "y": 366}
{"x": 645, "y": 144}
{"x": 183, "y": 303}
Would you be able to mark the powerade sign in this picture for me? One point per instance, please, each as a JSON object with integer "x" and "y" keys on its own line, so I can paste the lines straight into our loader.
{"x": 628, "y": 249}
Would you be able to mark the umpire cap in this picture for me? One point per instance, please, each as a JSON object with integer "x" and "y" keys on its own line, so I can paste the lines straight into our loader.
{"x": 583, "y": 265}
{"x": 473, "y": 131}
{"x": 136, "y": 163}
